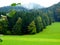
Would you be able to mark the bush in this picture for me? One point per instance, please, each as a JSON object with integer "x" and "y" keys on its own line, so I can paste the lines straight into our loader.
{"x": 1, "y": 40}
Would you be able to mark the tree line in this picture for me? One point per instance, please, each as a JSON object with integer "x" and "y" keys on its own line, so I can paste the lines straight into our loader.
{"x": 27, "y": 22}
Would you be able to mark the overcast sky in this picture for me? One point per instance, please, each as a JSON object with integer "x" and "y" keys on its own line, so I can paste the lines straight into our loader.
{"x": 45, "y": 3}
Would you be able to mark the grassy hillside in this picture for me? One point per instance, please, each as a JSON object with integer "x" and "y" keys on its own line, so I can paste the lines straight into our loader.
{"x": 49, "y": 36}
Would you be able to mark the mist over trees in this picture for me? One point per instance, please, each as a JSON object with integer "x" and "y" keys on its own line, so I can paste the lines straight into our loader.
{"x": 16, "y": 20}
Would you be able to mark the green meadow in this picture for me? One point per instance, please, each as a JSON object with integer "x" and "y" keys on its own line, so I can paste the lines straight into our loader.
{"x": 49, "y": 36}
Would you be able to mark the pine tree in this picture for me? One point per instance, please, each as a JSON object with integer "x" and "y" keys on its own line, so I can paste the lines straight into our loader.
{"x": 4, "y": 24}
{"x": 32, "y": 28}
{"x": 17, "y": 27}
{"x": 39, "y": 24}
{"x": 46, "y": 18}
{"x": 1, "y": 27}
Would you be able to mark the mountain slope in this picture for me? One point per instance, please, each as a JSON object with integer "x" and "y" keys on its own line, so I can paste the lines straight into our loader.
{"x": 32, "y": 6}
{"x": 8, "y": 8}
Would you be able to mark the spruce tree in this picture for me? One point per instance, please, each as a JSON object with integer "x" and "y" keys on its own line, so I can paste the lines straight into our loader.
{"x": 17, "y": 27}
{"x": 32, "y": 28}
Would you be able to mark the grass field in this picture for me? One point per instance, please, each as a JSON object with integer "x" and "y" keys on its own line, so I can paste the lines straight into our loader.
{"x": 50, "y": 36}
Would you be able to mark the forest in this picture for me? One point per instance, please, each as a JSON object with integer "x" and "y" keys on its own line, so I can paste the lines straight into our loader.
{"x": 17, "y": 20}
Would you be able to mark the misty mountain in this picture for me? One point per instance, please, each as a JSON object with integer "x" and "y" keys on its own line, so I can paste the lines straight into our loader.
{"x": 54, "y": 7}
{"x": 33, "y": 6}
{"x": 21, "y": 8}
{"x": 29, "y": 6}
{"x": 8, "y": 8}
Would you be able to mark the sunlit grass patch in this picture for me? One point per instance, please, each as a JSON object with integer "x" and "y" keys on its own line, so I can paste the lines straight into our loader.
{"x": 49, "y": 36}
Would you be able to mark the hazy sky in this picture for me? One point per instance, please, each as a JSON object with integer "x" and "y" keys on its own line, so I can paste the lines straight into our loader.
{"x": 45, "y": 3}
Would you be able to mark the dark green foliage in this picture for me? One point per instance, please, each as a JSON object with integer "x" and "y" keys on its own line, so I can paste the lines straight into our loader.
{"x": 1, "y": 27}
{"x": 1, "y": 40}
{"x": 32, "y": 28}
{"x": 4, "y": 24}
{"x": 46, "y": 18}
{"x": 17, "y": 27}
{"x": 8, "y": 32}
{"x": 57, "y": 14}
{"x": 39, "y": 24}
{"x": 27, "y": 22}
{"x": 11, "y": 13}
{"x": 51, "y": 16}
{"x": 14, "y": 4}
{"x": 23, "y": 21}
{"x": 11, "y": 19}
